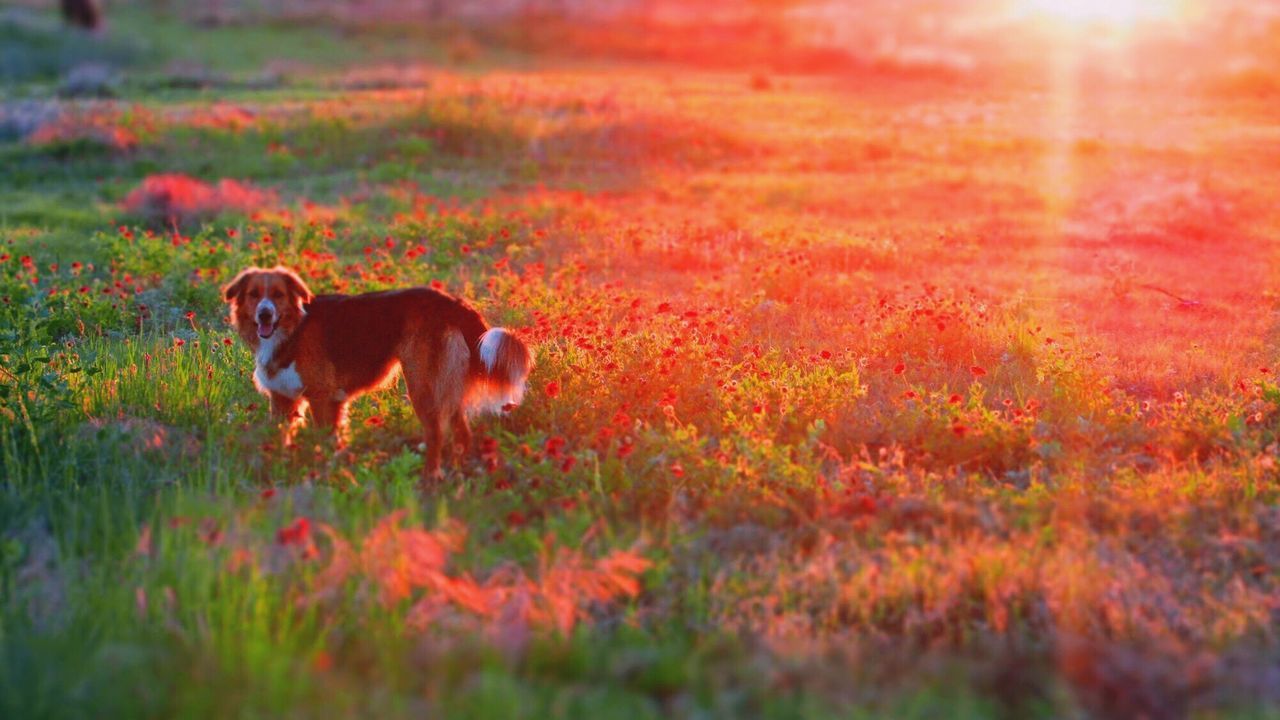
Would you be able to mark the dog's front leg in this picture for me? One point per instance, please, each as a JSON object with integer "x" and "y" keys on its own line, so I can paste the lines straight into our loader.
{"x": 291, "y": 412}
{"x": 332, "y": 415}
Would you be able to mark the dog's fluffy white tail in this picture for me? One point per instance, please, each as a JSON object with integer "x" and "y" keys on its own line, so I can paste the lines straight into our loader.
{"x": 506, "y": 363}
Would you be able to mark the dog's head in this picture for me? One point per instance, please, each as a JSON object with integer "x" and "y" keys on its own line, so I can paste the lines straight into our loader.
{"x": 266, "y": 301}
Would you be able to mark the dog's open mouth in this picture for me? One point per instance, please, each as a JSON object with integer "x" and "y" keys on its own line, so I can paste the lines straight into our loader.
{"x": 266, "y": 330}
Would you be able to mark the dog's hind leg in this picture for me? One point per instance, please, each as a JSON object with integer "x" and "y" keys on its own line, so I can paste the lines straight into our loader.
{"x": 425, "y": 406}
{"x": 461, "y": 435}
{"x": 435, "y": 377}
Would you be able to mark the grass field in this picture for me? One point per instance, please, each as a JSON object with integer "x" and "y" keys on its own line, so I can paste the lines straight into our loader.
{"x": 857, "y": 395}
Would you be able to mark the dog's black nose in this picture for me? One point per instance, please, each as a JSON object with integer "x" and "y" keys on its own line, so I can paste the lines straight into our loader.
{"x": 264, "y": 315}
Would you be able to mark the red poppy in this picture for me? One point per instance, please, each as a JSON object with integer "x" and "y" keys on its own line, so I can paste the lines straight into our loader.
{"x": 296, "y": 533}
{"x": 553, "y": 389}
{"x": 954, "y": 399}
{"x": 977, "y": 371}
{"x": 677, "y": 470}
{"x": 899, "y": 368}
{"x": 374, "y": 421}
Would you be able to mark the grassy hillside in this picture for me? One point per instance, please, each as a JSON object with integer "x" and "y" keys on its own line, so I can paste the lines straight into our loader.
{"x": 855, "y": 395}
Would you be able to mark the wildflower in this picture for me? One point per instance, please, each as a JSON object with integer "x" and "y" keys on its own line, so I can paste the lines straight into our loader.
{"x": 294, "y": 534}
{"x": 374, "y": 421}
{"x": 977, "y": 371}
{"x": 568, "y": 464}
{"x": 954, "y": 399}
{"x": 677, "y": 470}
{"x": 553, "y": 389}
{"x": 959, "y": 430}
{"x": 899, "y": 368}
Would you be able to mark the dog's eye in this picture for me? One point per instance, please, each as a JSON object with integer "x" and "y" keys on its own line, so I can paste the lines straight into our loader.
{"x": 276, "y": 294}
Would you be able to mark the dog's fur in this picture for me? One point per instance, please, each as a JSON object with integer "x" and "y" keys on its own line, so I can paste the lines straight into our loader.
{"x": 322, "y": 351}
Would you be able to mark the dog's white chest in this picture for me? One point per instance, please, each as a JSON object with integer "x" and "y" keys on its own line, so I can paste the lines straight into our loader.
{"x": 285, "y": 381}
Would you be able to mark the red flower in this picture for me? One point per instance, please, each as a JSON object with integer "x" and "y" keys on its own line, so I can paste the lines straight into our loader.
{"x": 516, "y": 519}
{"x": 977, "y": 371}
{"x": 954, "y": 399}
{"x": 295, "y": 534}
{"x": 569, "y": 462}
{"x": 190, "y": 314}
{"x": 267, "y": 494}
{"x": 553, "y": 389}
{"x": 959, "y": 430}
{"x": 677, "y": 470}
{"x": 179, "y": 342}
{"x": 374, "y": 421}
{"x": 899, "y": 368}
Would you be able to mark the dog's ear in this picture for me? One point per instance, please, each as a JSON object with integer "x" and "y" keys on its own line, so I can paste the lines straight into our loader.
{"x": 232, "y": 290}
{"x": 297, "y": 288}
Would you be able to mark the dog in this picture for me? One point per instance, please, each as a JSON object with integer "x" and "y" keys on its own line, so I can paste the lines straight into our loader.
{"x": 322, "y": 351}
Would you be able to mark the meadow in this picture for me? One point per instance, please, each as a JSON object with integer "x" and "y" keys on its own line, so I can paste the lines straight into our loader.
{"x": 860, "y": 394}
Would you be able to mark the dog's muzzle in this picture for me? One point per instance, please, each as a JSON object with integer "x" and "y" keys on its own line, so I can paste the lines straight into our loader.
{"x": 266, "y": 320}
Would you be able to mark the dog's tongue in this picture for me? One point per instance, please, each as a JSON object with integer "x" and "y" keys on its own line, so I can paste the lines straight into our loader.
{"x": 265, "y": 330}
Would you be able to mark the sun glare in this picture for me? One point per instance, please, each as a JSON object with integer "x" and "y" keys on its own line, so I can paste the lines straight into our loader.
{"x": 1114, "y": 13}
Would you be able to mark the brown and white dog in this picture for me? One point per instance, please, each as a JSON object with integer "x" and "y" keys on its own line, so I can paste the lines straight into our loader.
{"x": 322, "y": 351}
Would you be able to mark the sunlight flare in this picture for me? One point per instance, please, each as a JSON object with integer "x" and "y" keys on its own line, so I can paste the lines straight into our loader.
{"x": 1110, "y": 13}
